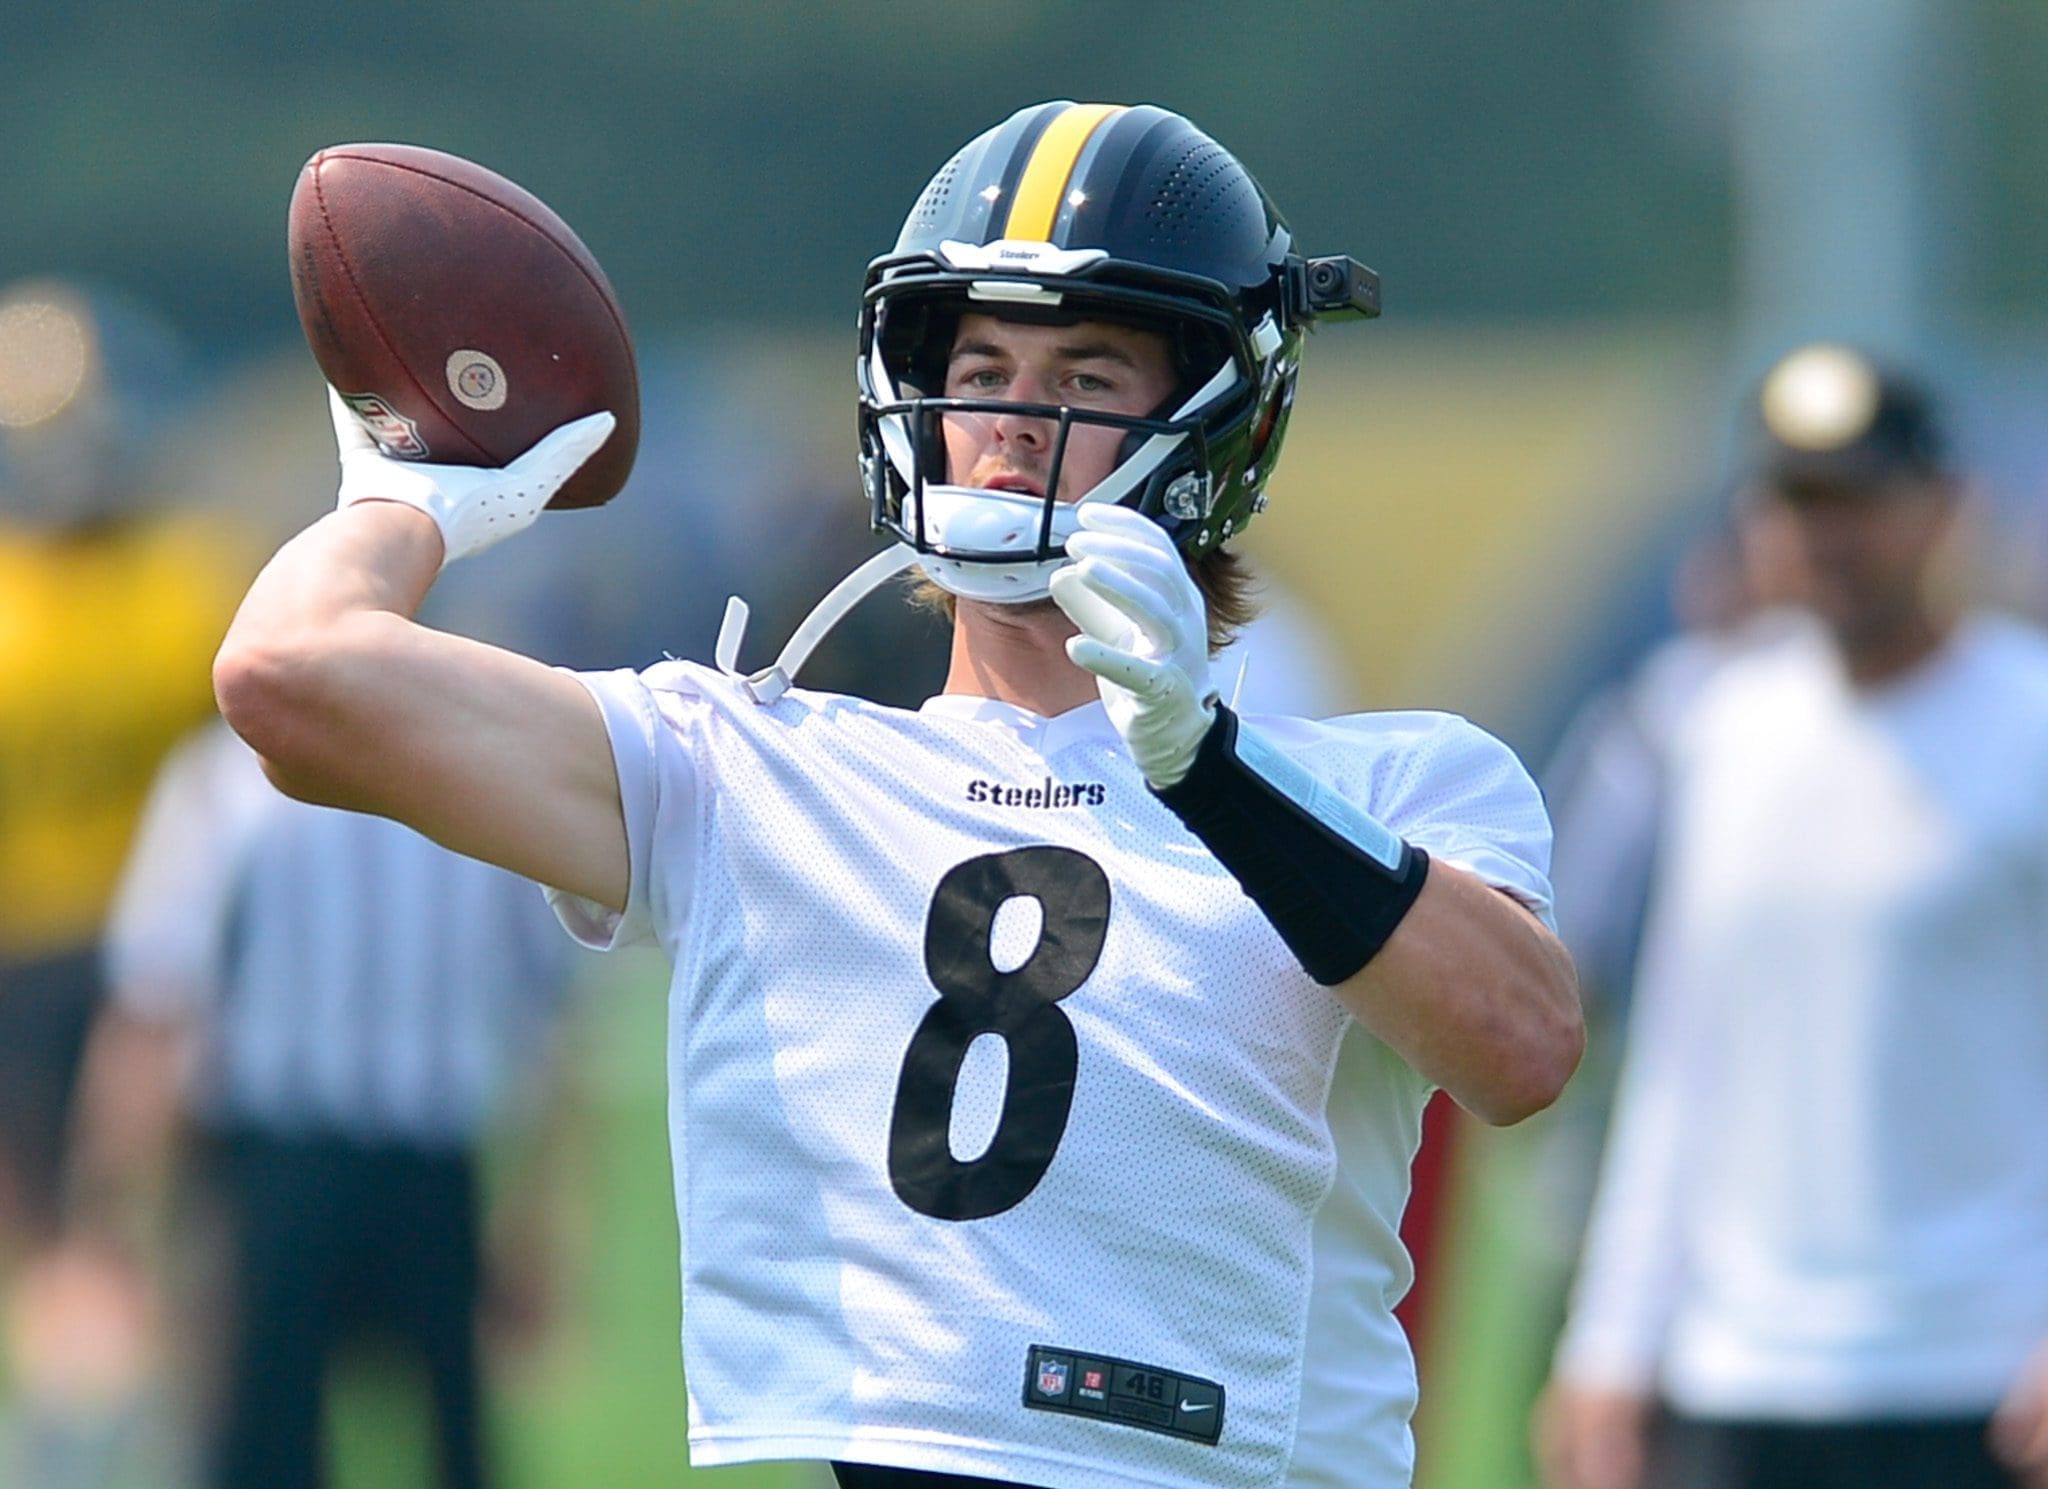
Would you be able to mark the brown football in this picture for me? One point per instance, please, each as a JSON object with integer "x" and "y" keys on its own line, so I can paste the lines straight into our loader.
{"x": 459, "y": 317}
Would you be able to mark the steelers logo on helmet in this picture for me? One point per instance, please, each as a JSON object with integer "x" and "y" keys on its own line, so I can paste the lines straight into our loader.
{"x": 1068, "y": 213}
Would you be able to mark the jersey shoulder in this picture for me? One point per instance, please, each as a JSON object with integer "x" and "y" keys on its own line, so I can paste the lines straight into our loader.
{"x": 1397, "y": 746}
{"x": 680, "y": 678}
{"x": 1440, "y": 781}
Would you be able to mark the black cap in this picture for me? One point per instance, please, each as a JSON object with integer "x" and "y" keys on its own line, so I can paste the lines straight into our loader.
{"x": 1828, "y": 415}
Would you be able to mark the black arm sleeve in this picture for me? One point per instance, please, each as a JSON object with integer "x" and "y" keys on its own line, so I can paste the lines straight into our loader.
{"x": 1332, "y": 902}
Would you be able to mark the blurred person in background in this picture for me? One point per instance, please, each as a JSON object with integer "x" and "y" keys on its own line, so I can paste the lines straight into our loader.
{"x": 111, "y": 601}
{"x": 346, "y": 1013}
{"x": 1818, "y": 1255}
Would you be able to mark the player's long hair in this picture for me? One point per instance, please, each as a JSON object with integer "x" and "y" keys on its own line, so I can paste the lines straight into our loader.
{"x": 1229, "y": 595}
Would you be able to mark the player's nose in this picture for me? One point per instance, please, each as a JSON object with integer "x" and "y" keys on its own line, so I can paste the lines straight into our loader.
{"x": 1031, "y": 430}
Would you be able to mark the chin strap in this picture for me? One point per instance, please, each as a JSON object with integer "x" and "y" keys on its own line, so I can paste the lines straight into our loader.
{"x": 772, "y": 681}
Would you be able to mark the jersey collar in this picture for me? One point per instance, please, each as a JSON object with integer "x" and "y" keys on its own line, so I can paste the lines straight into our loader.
{"x": 1087, "y": 721}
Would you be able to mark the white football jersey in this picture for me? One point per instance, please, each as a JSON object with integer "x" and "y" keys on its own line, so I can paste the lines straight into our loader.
{"x": 1004, "y": 1127}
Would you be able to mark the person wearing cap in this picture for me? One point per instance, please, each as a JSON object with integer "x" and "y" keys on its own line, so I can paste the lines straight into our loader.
{"x": 112, "y": 596}
{"x": 111, "y": 599}
{"x": 1818, "y": 1255}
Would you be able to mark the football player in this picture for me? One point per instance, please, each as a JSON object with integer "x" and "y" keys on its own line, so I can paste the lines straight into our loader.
{"x": 1045, "y": 1062}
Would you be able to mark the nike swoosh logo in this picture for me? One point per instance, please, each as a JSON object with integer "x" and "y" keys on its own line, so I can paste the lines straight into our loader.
{"x": 1187, "y": 1405}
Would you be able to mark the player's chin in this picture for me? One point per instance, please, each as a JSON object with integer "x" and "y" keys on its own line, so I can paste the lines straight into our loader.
{"x": 1018, "y": 612}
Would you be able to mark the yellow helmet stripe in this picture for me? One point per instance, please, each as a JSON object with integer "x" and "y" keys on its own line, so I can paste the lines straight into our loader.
{"x": 1037, "y": 202}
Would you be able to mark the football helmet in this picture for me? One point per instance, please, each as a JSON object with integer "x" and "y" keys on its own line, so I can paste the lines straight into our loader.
{"x": 1070, "y": 212}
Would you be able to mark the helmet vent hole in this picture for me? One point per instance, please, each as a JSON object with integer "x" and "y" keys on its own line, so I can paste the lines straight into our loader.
{"x": 1197, "y": 185}
{"x": 931, "y": 207}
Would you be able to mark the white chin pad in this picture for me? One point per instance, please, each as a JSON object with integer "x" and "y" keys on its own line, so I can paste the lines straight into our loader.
{"x": 992, "y": 584}
{"x": 966, "y": 519}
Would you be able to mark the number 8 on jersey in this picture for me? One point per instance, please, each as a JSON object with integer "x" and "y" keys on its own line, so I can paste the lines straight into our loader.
{"x": 1020, "y": 1006}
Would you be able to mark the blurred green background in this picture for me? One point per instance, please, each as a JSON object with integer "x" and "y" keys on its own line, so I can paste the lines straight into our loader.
{"x": 1521, "y": 163}
{"x": 1595, "y": 222}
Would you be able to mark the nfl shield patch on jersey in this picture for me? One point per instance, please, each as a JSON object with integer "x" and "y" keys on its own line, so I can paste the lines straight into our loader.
{"x": 1124, "y": 1392}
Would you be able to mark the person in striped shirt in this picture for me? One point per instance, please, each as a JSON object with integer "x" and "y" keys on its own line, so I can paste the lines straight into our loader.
{"x": 345, "y": 1013}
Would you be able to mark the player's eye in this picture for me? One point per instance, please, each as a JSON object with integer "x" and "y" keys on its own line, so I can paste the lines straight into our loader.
{"x": 979, "y": 379}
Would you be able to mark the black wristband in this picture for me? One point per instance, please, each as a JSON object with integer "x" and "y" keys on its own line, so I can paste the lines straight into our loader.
{"x": 1331, "y": 899}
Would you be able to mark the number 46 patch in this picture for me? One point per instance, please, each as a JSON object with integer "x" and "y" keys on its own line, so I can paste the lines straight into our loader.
{"x": 1123, "y": 1391}
{"x": 1021, "y": 1006}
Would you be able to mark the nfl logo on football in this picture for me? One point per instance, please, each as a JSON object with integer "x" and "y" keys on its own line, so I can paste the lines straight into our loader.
{"x": 395, "y": 434}
{"x": 1052, "y": 1378}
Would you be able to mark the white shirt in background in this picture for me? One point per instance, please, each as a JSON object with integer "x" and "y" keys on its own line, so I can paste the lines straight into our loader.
{"x": 1826, "y": 1190}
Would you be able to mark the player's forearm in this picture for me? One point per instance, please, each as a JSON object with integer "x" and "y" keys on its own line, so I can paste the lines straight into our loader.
{"x": 1473, "y": 992}
{"x": 370, "y": 556}
{"x": 1464, "y": 983}
{"x": 311, "y": 646}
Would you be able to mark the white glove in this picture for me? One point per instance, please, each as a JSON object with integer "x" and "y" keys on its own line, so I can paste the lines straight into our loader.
{"x": 474, "y": 506}
{"x": 1144, "y": 634}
